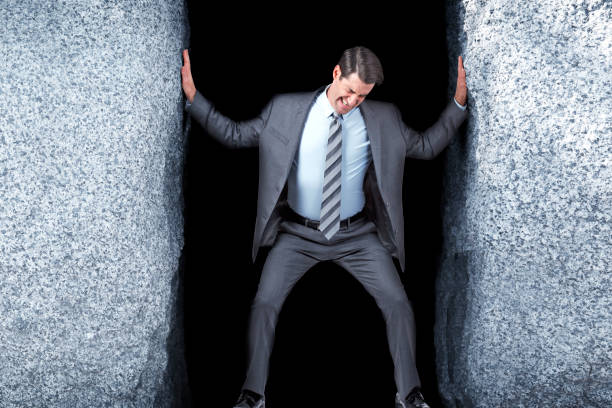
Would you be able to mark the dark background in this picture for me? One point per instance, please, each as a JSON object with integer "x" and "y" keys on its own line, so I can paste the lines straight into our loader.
{"x": 331, "y": 347}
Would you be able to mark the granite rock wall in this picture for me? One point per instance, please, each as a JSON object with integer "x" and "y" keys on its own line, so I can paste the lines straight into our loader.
{"x": 91, "y": 226}
{"x": 524, "y": 292}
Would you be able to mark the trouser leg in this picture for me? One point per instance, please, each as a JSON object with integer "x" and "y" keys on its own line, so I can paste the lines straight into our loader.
{"x": 284, "y": 266}
{"x": 371, "y": 264}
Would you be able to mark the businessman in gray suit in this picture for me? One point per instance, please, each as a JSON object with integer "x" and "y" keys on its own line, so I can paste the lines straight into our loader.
{"x": 331, "y": 166}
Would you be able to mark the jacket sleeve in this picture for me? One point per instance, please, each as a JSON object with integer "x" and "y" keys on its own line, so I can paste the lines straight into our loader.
{"x": 228, "y": 132}
{"x": 428, "y": 144}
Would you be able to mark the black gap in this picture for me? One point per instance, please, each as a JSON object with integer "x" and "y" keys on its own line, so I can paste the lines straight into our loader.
{"x": 331, "y": 347}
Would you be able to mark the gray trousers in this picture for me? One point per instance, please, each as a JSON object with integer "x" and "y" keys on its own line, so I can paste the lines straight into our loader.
{"x": 357, "y": 249}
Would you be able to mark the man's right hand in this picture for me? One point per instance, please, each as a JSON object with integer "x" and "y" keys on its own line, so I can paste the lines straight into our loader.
{"x": 188, "y": 85}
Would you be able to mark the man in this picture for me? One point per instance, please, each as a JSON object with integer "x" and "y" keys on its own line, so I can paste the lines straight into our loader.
{"x": 330, "y": 174}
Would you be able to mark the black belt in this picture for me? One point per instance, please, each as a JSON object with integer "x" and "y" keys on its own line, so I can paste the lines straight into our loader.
{"x": 291, "y": 215}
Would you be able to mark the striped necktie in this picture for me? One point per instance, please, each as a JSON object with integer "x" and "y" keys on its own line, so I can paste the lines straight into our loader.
{"x": 330, "y": 206}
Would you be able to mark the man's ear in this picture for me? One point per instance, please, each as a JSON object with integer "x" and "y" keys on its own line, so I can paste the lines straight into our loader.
{"x": 337, "y": 72}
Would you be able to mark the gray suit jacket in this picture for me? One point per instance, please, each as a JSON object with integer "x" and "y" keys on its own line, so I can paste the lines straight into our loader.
{"x": 277, "y": 131}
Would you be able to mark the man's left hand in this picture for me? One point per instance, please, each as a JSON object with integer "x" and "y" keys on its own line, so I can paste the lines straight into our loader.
{"x": 461, "y": 90}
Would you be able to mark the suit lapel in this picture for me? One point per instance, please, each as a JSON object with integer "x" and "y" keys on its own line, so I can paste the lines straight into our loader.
{"x": 295, "y": 132}
{"x": 374, "y": 134}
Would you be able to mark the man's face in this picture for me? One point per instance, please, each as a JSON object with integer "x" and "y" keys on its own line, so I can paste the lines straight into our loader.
{"x": 345, "y": 94}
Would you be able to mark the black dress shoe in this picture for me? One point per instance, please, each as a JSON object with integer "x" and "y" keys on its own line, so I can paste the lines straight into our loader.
{"x": 414, "y": 400}
{"x": 250, "y": 399}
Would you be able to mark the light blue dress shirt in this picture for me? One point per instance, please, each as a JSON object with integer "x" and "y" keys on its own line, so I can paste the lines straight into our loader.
{"x": 305, "y": 183}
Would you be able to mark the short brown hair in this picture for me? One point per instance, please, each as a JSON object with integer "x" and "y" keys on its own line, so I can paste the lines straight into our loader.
{"x": 364, "y": 62}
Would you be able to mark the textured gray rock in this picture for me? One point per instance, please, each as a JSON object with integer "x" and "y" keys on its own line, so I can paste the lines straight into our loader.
{"x": 524, "y": 304}
{"x": 91, "y": 148}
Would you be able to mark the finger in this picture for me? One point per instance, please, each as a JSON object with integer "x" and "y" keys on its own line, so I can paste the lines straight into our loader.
{"x": 460, "y": 63}
{"x": 186, "y": 57}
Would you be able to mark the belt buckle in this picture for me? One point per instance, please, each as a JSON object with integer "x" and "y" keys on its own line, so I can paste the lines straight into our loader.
{"x": 310, "y": 223}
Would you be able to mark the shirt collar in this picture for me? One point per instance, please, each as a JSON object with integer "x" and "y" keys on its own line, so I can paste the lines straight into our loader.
{"x": 323, "y": 104}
